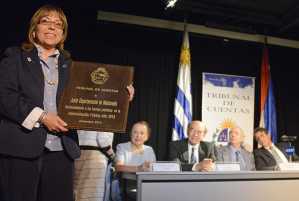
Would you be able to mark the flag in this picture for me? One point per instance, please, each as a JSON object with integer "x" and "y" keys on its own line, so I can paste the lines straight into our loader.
{"x": 183, "y": 100}
{"x": 267, "y": 101}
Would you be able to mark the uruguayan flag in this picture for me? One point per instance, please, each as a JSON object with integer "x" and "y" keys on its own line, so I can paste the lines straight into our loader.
{"x": 183, "y": 101}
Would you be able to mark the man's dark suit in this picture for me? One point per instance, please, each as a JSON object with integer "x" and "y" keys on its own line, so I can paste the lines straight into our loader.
{"x": 21, "y": 90}
{"x": 264, "y": 160}
{"x": 28, "y": 171}
{"x": 179, "y": 152}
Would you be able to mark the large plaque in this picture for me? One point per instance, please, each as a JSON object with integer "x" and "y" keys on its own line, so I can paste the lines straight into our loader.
{"x": 96, "y": 97}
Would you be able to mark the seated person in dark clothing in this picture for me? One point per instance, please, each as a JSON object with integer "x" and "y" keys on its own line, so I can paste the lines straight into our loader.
{"x": 193, "y": 154}
{"x": 268, "y": 156}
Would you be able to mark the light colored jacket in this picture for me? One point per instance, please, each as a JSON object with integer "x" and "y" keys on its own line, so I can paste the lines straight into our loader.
{"x": 223, "y": 154}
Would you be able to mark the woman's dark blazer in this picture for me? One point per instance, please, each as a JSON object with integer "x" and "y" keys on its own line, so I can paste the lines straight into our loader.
{"x": 21, "y": 90}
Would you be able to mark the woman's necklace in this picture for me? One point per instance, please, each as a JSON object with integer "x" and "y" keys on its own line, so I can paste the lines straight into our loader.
{"x": 137, "y": 150}
{"x": 53, "y": 82}
{"x": 50, "y": 82}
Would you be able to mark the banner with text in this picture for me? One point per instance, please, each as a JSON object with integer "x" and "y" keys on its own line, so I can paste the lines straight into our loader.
{"x": 228, "y": 101}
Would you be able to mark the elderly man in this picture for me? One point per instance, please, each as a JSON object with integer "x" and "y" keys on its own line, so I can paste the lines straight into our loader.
{"x": 235, "y": 152}
{"x": 268, "y": 156}
{"x": 193, "y": 153}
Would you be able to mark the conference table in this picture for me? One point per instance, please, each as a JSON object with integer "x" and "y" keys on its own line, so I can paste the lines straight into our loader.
{"x": 216, "y": 186}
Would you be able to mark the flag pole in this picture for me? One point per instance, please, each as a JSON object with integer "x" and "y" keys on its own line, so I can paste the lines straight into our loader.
{"x": 183, "y": 99}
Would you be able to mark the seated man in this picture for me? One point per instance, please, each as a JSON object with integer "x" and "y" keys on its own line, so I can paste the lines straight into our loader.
{"x": 268, "y": 156}
{"x": 235, "y": 152}
{"x": 193, "y": 153}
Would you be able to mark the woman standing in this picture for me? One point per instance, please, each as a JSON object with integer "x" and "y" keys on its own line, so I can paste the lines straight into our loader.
{"x": 37, "y": 151}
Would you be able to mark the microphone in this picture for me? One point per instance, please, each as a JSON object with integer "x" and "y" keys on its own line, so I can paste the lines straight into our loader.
{"x": 289, "y": 149}
{"x": 288, "y": 138}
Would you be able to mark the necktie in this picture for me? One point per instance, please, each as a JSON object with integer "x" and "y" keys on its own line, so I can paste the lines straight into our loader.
{"x": 192, "y": 159}
{"x": 275, "y": 155}
{"x": 240, "y": 159}
{"x": 237, "y": 156}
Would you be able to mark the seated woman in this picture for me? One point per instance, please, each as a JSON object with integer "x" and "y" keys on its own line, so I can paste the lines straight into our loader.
{"x": 235, "y": 151}
{"x": 134, "y": 156}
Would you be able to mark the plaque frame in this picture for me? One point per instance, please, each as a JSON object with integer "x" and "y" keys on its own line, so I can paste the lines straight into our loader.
{"x": 99, "y": 101}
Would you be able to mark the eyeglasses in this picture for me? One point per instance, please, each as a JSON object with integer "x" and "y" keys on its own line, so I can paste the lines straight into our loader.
{"x": 47, "y": 22}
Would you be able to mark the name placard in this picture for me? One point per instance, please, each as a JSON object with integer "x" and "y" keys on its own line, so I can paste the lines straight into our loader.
{"x": 227, "y": 166}
{"x": 96, "y": 98}
{"x": 288, "y": 166}
{"x": 166, "y": 166}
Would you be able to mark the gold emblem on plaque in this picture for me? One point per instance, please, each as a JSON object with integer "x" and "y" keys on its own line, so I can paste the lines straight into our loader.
{"x": 99, "y": 76}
